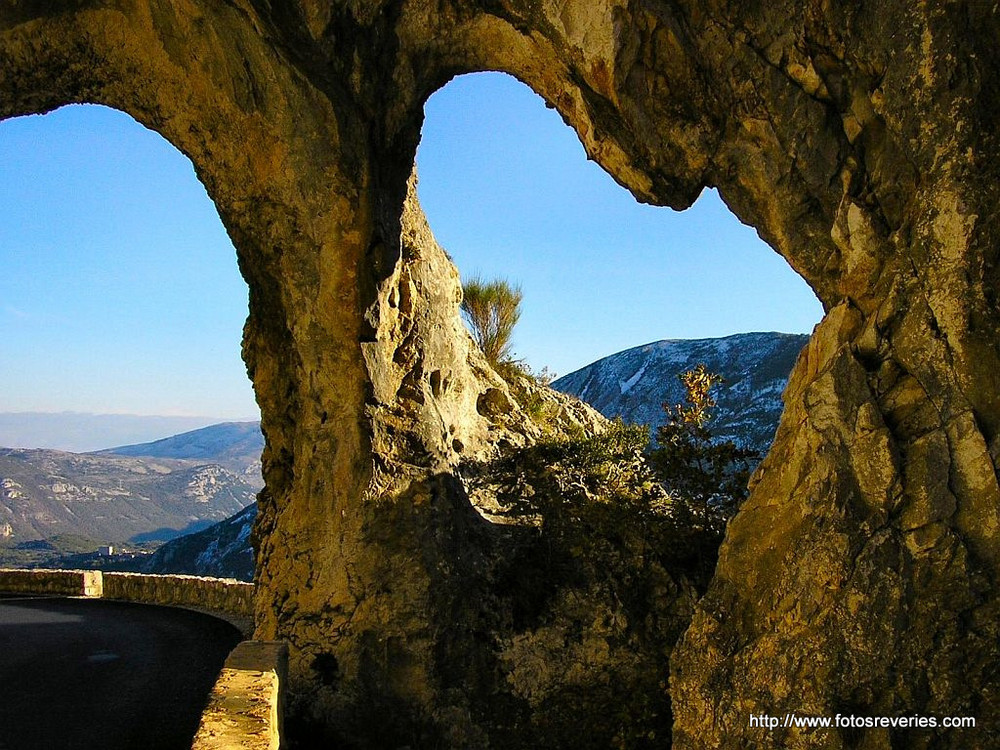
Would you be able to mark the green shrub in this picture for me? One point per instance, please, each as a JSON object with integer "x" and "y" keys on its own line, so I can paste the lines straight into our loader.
{"x": 492, "y": 309}
{"x": 613, "y": 544}
{"x": 595, "y": 498}
{"x": 707, "y": 479}
{"x": 598, "y": 530}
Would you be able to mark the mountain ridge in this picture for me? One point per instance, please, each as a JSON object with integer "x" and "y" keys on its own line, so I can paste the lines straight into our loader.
{"x": 222, "y": 550}
{"x": 633, "y": 384}
{"x": 111, "y": 498}
{"x": 237, "y": 446}
{"x": 81, "y": 432}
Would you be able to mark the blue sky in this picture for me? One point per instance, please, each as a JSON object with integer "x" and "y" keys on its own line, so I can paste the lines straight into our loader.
{"x": 509, "y": 193}
{"x": 120, "y": 291}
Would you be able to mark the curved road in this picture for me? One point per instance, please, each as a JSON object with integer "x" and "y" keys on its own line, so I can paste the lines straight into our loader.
{"x": 84, "y": 673}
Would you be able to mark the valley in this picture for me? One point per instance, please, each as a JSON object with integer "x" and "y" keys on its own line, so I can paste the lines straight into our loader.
{"x": 107, "y": 509}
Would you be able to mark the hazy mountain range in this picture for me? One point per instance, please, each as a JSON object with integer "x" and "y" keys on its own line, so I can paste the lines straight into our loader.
{"x": 131, "y": 495}
{"x": 236, "y": 446}
{"x": 111, "y": 498}
{"x": 81, "y": 432}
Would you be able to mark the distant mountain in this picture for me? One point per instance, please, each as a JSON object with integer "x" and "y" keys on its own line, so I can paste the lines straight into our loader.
{"x": 234, "y": 445}
{"x": 81, "y": 432}
{"x": 635, "y": 383}
{"x": 111, "y": 498}
{"x": 222, "y": 550}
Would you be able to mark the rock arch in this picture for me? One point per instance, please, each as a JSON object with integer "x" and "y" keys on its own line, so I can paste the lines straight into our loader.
{"x": 861, "y": 142}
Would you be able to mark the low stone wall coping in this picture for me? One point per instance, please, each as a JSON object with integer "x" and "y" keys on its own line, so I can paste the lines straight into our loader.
{"x": 245, "y": 709}
{"x": 226, "y": 598}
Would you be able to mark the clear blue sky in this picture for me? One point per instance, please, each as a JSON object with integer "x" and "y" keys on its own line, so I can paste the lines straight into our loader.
{"x": 120, "y": 292}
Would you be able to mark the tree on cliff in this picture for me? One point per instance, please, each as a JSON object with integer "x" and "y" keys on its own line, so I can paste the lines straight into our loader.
{"x": 707, "y": 479}
{"x": 492, "y": 309}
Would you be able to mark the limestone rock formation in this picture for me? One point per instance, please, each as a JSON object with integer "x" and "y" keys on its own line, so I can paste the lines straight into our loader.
{"x": 861, "y": 140}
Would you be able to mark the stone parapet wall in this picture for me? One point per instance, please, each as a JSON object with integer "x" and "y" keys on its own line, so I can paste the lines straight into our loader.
{"x": 225, "y": 598}
{"x": 53, "y": 582}
{"x": 246, "y": 706}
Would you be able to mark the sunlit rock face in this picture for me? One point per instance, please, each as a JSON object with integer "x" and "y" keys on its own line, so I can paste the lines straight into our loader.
{"x": 860, "y": 141}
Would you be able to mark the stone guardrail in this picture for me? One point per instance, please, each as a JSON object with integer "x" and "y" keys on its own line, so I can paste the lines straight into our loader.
{"x": 247, "y": 702}
{"x": 225, "y": 598}
{"x": 52, "y": 582}
{"x": 245, "y": 707}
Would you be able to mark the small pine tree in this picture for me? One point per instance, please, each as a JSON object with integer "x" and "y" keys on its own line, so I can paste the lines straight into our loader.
{"x": 492, "y": 309}
{"x": 708, "y": 479}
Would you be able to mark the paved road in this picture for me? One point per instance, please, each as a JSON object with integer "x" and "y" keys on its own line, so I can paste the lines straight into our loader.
{"x": 77, "y": 674}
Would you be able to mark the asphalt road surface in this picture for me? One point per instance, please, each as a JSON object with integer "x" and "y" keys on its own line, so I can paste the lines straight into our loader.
{"x": 77, "y": 674}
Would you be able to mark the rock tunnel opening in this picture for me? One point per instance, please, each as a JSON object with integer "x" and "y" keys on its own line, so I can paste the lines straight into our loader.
{"x": 855, "y": 137}
{"x": 509, "y": 193}
{"x": 122, "y": 315}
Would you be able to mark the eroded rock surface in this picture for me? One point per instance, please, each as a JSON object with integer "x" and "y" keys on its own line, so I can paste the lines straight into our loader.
{"x": 862, "y": 143}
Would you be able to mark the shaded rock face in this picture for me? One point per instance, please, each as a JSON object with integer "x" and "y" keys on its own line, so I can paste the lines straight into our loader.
{"x": 860, "y": 141}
